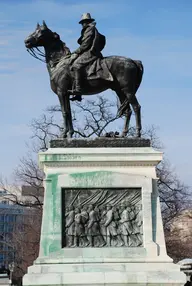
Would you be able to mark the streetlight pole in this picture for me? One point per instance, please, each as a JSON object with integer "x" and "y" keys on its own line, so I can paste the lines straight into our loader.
{"x": 11, "y": 269}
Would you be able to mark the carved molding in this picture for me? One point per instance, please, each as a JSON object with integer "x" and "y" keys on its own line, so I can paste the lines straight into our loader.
{"x": 99, "y": 164}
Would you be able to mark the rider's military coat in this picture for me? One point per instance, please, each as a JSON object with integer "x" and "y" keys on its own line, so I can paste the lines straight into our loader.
{"x": 91, "y": 43}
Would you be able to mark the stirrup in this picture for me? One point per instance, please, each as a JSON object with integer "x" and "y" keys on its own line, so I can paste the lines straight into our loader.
{"x": 76, "y": 97}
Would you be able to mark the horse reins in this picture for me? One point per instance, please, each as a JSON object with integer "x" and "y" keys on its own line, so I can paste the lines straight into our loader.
{"x": 35, "y": 54}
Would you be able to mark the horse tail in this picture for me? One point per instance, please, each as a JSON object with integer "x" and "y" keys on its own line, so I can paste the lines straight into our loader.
{"x": 140, "y": 69}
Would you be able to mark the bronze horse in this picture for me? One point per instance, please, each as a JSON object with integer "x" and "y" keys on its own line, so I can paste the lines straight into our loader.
{"x": 127, "y": 75}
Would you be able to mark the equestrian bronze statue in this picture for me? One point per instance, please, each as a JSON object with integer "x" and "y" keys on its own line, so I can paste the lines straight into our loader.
{"x": 86, "y": 71}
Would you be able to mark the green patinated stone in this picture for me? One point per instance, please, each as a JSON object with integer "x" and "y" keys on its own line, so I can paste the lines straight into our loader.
{"x": 51, "y": 224}
{"x": 54, "y": 179}
{"x": 58, "y": 157}
{"x": 96, "y": 178}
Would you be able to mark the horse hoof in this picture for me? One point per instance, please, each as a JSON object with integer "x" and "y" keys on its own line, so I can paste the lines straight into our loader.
{"x": 71, "y": 135}
{"x": 138, "y": 134}
{"x": 123, "y": 135}
{"x": 64, "y": 135}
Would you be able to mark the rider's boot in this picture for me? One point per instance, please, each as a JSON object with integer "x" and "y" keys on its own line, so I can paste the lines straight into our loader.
{"x": 77, "y": 92}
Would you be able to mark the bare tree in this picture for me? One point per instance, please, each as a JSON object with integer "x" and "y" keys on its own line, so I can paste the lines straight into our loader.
{"x": 19, "y": 237}
{"x": 178, "y": 237}
{"x": 13, "y": 193}
{"x": 97, "y": 117}
{"x": 94, "y": 118}
{"x": 91, "y": 119}
{"x": 25, "y": 240}
{"x": 174, "y": 195}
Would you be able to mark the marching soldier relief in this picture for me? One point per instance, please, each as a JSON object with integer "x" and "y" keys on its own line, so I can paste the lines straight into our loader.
{"x": 102, "y": 218}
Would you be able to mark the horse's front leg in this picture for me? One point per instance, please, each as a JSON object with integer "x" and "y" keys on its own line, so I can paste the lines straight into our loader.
{"x": 69, "y": 115}
{"x": 64, "y": 114}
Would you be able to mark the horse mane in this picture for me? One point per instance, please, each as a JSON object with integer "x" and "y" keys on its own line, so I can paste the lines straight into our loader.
{"x": 66, "y": 49}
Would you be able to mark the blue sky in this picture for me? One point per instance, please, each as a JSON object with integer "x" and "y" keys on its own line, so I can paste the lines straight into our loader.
{"x": 156, "y": 32}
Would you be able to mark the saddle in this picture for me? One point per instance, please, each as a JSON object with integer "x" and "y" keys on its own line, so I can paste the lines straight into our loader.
{"x": 99, "y": 69}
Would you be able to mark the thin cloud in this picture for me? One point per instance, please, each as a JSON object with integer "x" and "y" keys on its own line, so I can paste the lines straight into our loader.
{"x": 16, "y": 130}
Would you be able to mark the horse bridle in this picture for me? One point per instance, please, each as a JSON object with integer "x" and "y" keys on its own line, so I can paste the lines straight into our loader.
{"x": 37, "y": 53}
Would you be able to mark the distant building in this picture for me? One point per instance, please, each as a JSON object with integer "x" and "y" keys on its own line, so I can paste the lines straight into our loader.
{"x": 32, "y": 195}
{"x": 14, "y": 216}
{"x": 22, "y": 194}
{"x": 10, "y": 215}
{"x": 3, "y": 199}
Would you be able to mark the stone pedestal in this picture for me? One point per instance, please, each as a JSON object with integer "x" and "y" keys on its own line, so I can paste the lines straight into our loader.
{"x": 120, "y": 167}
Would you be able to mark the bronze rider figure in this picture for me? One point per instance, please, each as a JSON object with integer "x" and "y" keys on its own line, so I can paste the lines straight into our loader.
{"x": 91, "y": 44}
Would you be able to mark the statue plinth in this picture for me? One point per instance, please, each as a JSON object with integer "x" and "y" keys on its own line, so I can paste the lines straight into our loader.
{"x": 102, "y": 222}
{"x": 99, "y": 142}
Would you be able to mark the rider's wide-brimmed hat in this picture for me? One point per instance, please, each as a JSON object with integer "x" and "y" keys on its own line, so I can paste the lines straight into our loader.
{"x": 86, "y": 17}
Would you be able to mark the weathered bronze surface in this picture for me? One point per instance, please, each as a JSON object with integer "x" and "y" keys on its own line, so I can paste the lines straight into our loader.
{"x": 86, "y": 71}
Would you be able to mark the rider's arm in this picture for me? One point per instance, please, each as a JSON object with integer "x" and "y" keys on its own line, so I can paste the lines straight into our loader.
{"x": 87, "y": 41}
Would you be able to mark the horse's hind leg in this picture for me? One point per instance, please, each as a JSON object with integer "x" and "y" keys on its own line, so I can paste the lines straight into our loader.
{"x": 131, "y": 99}
{"x": 124, "y": 110}
{"x": 137, "y": 109}
{"x": 127, "y": 114}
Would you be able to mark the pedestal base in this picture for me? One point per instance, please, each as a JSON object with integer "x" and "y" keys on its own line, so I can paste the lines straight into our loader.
{"x": 111, "y": 166}
{"x": 99, "y": 267}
